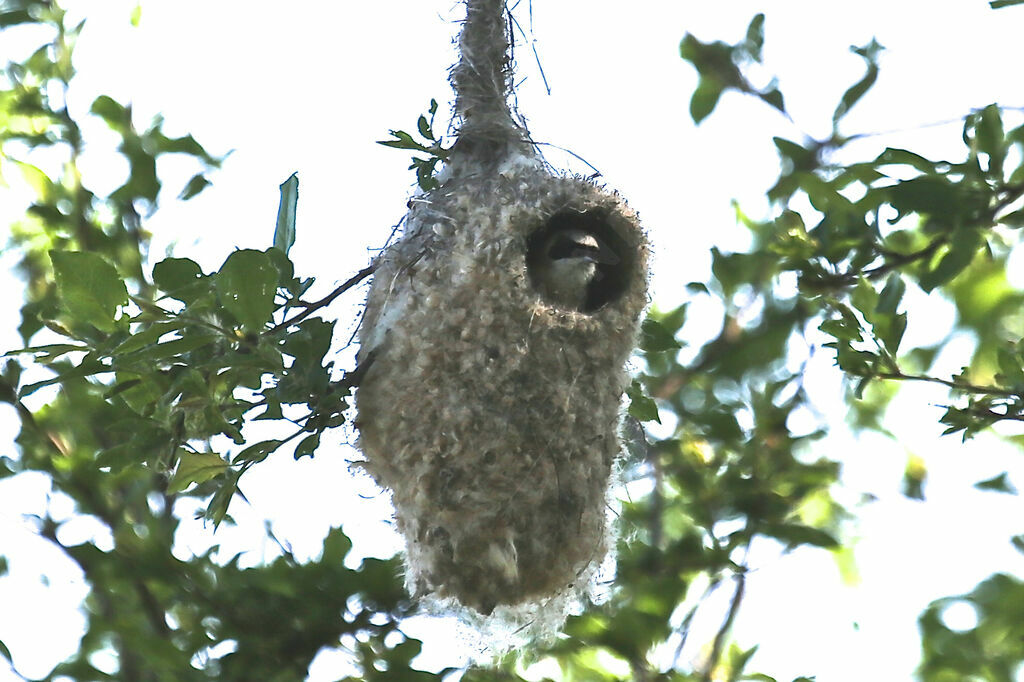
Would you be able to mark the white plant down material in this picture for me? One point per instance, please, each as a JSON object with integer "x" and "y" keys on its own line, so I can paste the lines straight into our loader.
{"x": 491, "y": 401}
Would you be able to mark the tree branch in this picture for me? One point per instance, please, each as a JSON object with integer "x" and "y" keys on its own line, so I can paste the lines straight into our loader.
{"x": 326, "y": 300}
{"x": 950, "y": 383}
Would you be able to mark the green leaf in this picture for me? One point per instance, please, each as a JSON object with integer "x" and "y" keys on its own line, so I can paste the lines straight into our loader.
{"x": 48, "y": 352}
{"x": 991, "y": 138}
{"x": 177, "y": 277}
{"x": 928, "y": 194}
{"x": 424, "y": 127}
{"x": 961, "y": 252}
{"x": 1014, "y": 219}
{"x": 257, "y": 452}
{"x": 773, "y": 96}
{"x": 891, "y": 331}
{"x": 755, "y": 37}
{"x": 336, "y": 547}
{"x": 641, "y": 406}
{"x": 793, "y": 534}
{"x": 4, "y": 651}
{"x": 284, "y": 233}
{"x": 112, "y": 112}
{"x": 856, "y": 91}
{"x": 195, "y": 468}
{"x": 999, "y": 4}
{"x": 704, "y": 98}
{"x": 842, "y": 328}
{"x": 1018, "y": 540}
{"x": 891, "y": 295}
{"x": 172, "y": 348}
{"x": 403, "y": 140}
{"x": 1000, "y": 484}
{"x": 273, "y": 411}
{"x": 655, "y": 337}
{"x": 307, "y": 446}
{"x": 88, "y": 287}
{"x": 803, "y": 159}
{"x": 14, "y": 17}
{"x": 903, "y": 157}
{"x": 87, "y": 367}
{"x": 246, "y": 284}
{"x": 194, "y": 186}
{"x": 217, "y": 509}
{"x": 38, "y": 180}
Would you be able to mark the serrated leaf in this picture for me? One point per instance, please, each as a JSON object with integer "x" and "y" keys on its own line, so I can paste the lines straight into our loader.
{"x": 403, "y": 140}
{"x": 641, "y": 407}
{"x": 284, "y": 233}
{"x": 88, "y": 287}
{"x": 195, "y": 468}
{"x": 841, "y": 329}
{"x": 654, "y": 337}
{"x": 246, "y": 285}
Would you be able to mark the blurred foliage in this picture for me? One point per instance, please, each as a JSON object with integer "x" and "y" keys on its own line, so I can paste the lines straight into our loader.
{"x": 151, "y": 374}
{"x": 990, "y": 648}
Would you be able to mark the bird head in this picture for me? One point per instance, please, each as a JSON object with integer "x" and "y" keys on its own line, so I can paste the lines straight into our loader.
{"x": 566, "y": 265}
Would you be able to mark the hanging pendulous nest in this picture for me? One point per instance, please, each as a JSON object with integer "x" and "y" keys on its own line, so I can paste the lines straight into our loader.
{"x": 494, "y": 341}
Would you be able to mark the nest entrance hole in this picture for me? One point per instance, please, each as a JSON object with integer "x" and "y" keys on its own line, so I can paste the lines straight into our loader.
{"x": 614, "y": 266}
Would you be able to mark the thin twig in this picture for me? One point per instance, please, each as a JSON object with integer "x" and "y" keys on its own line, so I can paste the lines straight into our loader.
{"x": 730, "y": 618}
{"x": 950, "y": 383}
{"x": 327, "y": 300}
{"x": 684, "y": 626}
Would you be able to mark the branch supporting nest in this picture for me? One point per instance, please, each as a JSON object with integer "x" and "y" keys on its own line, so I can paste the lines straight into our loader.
{"x": 482, "y": 79}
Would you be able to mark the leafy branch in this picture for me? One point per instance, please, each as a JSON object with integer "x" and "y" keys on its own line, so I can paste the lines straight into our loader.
{"x": 432, "y": 146}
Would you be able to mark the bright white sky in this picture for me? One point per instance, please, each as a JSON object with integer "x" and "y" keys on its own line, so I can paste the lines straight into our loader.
{"x": 311, "y": 87}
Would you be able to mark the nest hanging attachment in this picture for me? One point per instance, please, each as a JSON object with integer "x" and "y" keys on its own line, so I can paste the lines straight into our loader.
{"x": 497, "y": 329}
